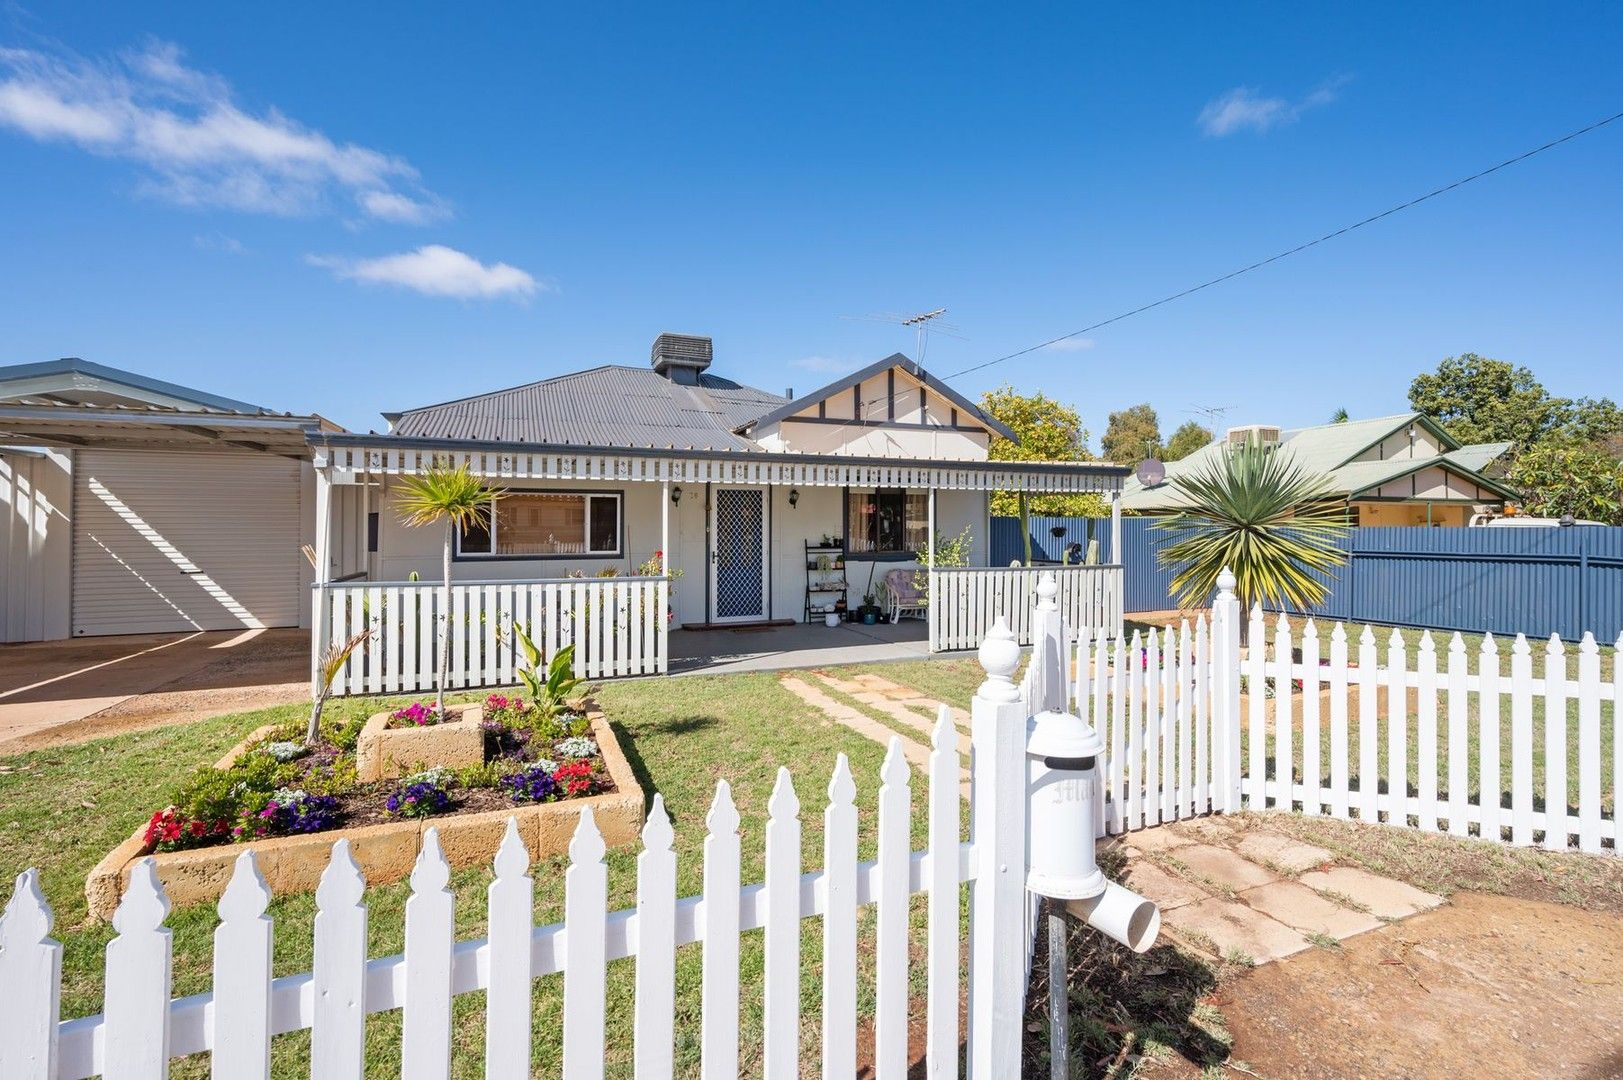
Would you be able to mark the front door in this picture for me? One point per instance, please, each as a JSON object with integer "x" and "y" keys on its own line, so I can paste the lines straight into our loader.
{"x": 739, "y": 551}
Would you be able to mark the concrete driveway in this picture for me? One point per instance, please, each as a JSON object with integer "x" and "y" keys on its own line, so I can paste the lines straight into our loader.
{"x": 59, "y": 692}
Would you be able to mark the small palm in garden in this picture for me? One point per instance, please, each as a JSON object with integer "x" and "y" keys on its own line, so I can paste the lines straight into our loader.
{"x": 1264, "y": 516}
{"x": 455, "y": 498}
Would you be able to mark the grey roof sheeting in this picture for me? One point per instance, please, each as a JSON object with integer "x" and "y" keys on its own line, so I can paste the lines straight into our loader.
{"x": 610, "y": 407}
{"x": 71, "y": 373}
{"x": 856, "y": 378}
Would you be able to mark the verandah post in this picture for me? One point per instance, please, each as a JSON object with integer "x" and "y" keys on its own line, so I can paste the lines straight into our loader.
{"x": 1226, "y": 694}
{"x": 997, "y": 916}
{"x": 320, "y": 621}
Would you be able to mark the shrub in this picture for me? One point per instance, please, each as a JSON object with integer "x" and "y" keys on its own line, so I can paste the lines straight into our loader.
{"x": 417, "y": 714}
{"x": 575, "y": 778}
{"x": 576, "y": 746}
{"x": 288, "y": 810}
{"x": 286, "y": 751}
{"x": 422, "y": 795}
{"x": 172, "y": 829}
{"x": 533, "y": 784}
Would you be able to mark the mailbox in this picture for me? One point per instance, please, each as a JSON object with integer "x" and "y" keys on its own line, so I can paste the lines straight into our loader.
{"x": 1062, "y": 755}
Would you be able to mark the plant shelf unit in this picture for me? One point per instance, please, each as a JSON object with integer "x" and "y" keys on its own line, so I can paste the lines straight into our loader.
{"x": 826, "y": 587}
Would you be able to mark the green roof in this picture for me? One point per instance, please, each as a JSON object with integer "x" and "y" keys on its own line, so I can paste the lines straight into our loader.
{"x": 1330, "y": 449}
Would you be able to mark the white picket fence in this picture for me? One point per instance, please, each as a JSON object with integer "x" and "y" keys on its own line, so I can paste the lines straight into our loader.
{"x": 617, "y": 625}
{"x": 142, "y": 1028}
{"x": 966, "y": 601}
{"x": 1328, "y": 730}
{"x": 1325, "y": 757}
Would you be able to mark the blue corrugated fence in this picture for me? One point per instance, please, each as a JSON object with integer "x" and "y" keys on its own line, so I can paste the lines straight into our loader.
{"x": 1509, "y": 580}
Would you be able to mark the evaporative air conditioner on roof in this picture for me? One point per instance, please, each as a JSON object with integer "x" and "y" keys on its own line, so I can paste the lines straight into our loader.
{"x": 1259, "y": 433}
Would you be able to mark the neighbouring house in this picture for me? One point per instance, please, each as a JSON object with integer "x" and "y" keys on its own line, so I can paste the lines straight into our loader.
{"x": 132, "y": 505}
{"x": 139, "y": 506}
{"x": 1391, "y": 470}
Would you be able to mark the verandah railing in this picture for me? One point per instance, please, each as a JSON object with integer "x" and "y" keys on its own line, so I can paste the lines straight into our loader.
{"x": 966, "y": 601}
{"x": 619, "y": 626}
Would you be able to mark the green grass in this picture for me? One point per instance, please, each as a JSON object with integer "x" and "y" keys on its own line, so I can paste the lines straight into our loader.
{"x": 681, "y": 736}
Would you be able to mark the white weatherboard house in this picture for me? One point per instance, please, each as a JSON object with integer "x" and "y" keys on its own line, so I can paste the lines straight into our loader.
{"x": 753, "y": 496}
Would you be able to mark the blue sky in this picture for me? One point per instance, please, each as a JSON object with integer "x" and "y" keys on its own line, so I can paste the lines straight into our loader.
{"x": 361, "y": 209}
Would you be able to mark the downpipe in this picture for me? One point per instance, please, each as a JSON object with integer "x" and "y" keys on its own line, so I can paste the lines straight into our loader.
{"x": 1120, "y": 914}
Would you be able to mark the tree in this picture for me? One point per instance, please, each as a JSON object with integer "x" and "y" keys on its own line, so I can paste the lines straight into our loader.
{"x": 1340, "y": 416}
{"x": 1132, "y": 435}
{"x": 1556, "y": 480}
{"x": 455, "y": 498}
{"x": 1261, "y": 515}
{"x": 1049, "y": 431}
{"x": 1189, "y": 437}
{"x": 1478, "y": 399}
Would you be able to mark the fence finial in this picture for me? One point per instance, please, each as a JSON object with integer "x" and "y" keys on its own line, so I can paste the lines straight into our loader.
{"x": 1225, "y": 584}
{"x": 999, "y": 655}
{"x": 145, "y": 905}
{"x": 1047, "y": 590}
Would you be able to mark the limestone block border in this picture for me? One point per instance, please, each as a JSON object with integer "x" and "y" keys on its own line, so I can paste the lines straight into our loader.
{"x": 385, "y": 852}
{"x": 386, "y": 753}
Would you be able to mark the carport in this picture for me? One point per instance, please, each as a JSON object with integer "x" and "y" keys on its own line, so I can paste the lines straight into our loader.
{"x": 134, "y": 506}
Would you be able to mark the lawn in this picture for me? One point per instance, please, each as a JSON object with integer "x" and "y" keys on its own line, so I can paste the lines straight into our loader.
{"x": 62, "y": 809}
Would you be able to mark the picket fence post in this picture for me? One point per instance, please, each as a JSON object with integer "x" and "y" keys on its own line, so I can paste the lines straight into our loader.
{"x": 30, "y": 962}
{"x": 997, "y": 918}
{"x": 1226, "y": 695}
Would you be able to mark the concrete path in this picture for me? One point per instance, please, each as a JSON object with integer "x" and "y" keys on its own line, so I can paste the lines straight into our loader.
{"x": 1233, "y": 887}
{"x": 1229, "y": 886}
{"x": 58, "y": 692}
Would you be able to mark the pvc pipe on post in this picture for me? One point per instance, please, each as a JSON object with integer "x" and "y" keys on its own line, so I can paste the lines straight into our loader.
{"x": 1120, "y": 914}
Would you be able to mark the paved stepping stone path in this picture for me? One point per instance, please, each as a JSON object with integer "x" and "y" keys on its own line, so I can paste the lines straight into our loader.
{"x": 1229, "y": 886}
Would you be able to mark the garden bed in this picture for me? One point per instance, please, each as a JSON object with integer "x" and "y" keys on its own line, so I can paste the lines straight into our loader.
{"x": 384, "y": 830}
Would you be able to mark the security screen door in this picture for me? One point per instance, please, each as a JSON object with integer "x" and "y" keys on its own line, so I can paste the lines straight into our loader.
{"x": 738, "y": 532}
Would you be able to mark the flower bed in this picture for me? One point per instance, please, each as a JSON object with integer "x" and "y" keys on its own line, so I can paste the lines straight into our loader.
{"x": 289, "y": 803}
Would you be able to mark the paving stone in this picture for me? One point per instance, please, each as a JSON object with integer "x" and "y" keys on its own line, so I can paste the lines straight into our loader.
{"x": 1159, "y": 838}
{"x": 1386, "y": 898}
{"x": 1223, "y": 866}
{"x": 1300, "y": 907}
{"x": 1167, "y": 890}
{"x": 1232, "y": 927}
{"x": 1282, "y": 851}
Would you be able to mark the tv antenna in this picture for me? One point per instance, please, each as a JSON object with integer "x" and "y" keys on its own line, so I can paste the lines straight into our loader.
{"x": 1212, "y": 414}
{"x": 923, "y": 325}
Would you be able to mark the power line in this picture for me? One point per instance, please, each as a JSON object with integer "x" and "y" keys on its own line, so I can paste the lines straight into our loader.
{"x": 1552, "y": 144}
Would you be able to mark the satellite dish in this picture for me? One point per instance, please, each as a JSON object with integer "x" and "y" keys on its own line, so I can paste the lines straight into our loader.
{"x": 1151, "y": 472}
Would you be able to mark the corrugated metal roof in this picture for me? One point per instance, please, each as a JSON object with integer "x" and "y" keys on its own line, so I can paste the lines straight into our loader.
{"x": 1326, "y": 448}
{"x": 609, "y": 406}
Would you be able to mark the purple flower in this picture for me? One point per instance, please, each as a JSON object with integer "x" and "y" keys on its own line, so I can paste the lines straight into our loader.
{"x": 534, "y": 784}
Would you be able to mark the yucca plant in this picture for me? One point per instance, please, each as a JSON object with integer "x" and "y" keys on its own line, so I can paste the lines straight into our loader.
{"x": 1266, "y": 518}
{"x": 455, "y": 498}
{"x": 328, "y": 665}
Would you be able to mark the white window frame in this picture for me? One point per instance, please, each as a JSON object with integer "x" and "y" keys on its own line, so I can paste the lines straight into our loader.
{"x": 587, "y": 496}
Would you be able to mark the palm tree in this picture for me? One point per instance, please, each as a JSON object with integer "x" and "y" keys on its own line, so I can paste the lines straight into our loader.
{"x": 455, "y": 498}
{"x": 1340, "y": 416}
{"x": 1263, "y": 516}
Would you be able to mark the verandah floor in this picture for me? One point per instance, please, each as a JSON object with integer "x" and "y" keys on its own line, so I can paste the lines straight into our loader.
{"x": 801, "y": 645}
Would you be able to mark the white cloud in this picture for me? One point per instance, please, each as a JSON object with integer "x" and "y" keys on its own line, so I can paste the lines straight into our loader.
{"x": 435, "y": 270}
{"x": 828, "y": 365}
{"x": 195, "y": 144}
{"x": 1244, "y": 108}
{"x": 218, "y": 241}
{"x": 1071, "y": 344}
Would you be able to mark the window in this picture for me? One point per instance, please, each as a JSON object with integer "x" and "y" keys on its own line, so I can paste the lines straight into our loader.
{"x": 886, "y": 522}
{"x": 532, "y": 525}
